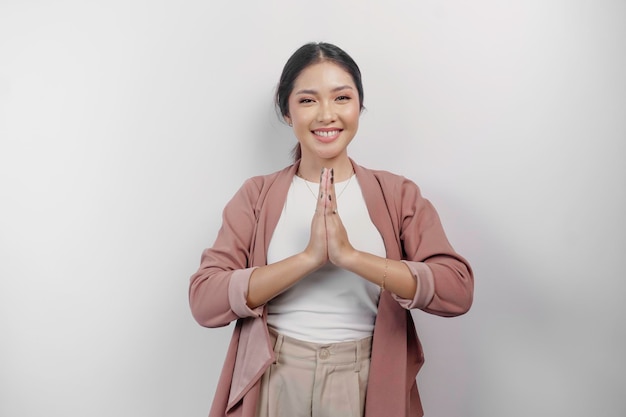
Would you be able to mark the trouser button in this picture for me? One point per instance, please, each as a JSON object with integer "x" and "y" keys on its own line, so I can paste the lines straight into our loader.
{"x": 324, "y": 353}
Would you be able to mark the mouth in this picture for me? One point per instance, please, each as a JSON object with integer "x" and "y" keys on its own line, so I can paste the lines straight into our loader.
{"x": 327, "y": 135}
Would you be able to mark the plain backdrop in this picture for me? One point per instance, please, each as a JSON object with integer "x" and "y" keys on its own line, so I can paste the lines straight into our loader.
{"x": 125, "y": 126}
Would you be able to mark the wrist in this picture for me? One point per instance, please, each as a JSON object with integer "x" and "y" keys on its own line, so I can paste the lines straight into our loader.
{"x": 349, "y": 260}
{"x": 309, "y": 262}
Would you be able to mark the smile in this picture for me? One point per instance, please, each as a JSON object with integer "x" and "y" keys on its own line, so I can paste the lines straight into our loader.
{"x": 326, "y": 134}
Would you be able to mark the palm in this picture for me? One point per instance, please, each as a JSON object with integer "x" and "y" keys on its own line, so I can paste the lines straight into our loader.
{"x": 329, "y": 239}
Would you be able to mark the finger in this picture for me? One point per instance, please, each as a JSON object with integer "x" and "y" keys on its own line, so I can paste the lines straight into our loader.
{"x": 332, "y": 196}
{"x": 322, "y": 196}
{"x": 324, "y": 184}
{"x": 327, "y": 191}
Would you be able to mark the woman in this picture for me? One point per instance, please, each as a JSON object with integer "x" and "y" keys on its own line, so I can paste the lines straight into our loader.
{"x": 320, "y": 263}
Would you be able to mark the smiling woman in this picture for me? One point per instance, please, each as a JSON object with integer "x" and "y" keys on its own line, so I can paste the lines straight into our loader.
{"x": 322, "y": 289}
{"x": 309, "y": 55}
{"x": 324, "y": 112}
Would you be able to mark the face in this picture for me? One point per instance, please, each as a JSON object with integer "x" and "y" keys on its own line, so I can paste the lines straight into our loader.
{"x": 324, "y": 110}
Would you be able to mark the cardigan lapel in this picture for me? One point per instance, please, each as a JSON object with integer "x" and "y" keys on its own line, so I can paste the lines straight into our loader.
{"x": 386, "y": 393}
{"x": 254, "y": 350}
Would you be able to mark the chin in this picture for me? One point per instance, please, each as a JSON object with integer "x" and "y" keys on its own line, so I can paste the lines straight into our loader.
{"x": 331, "y": 155}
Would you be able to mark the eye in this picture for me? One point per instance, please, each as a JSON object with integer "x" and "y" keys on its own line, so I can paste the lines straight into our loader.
{"x": 305, "y": 101}
{"x": 343, "y": 98}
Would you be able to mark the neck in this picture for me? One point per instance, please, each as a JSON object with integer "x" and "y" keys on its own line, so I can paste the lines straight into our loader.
{"x": 310, "y": 170}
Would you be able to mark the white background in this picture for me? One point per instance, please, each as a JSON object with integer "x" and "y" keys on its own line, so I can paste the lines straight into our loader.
{"x": 125, "y": 126}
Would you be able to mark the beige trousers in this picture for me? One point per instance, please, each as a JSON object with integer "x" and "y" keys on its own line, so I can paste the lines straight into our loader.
{"x": 315, "y": 380}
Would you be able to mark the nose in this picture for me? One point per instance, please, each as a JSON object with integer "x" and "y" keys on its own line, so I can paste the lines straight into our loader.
{"x": 326, "y": 113}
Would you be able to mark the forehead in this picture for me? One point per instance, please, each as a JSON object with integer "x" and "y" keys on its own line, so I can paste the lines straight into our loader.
{"x": 323, "y": 75}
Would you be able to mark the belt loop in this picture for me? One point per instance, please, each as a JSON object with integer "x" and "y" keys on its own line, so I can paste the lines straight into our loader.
{"x": 277, "y": 346}
{"x": 357, "y": 364}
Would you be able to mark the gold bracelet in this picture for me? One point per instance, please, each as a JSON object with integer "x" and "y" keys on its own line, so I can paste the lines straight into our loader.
{"x": 382, "y": 284}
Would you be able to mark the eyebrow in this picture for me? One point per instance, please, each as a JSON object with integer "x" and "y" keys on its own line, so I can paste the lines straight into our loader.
{"x": 334, "y": 90}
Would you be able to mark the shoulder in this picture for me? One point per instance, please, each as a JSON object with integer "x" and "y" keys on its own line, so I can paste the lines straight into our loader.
{"x": 260, "y": 183}
{"x": 390, "y": 182}
{"x": 255, "y": 190}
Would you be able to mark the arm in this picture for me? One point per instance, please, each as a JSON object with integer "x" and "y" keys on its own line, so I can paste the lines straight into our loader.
{"x": 268, "y": 281}
{"x": 389, "y": 274}
{"x": 431, "y": 276}
{"x": 426, "y": 246}
{"x": 392, "y": 275}
{"x": 225, "y": 288}
{"x": 217, "y": 291}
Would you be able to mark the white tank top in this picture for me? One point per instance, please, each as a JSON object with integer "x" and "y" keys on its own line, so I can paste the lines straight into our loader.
{"x": 331, "y": 304}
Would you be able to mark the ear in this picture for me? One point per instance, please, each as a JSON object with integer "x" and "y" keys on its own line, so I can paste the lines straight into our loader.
{"x": 288, "y": 120}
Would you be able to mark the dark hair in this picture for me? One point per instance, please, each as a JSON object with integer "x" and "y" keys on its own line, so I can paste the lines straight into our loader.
{"x": 306, "y": 55}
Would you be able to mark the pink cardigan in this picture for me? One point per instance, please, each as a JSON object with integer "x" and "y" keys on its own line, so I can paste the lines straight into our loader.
{"x": 411, "y": 231}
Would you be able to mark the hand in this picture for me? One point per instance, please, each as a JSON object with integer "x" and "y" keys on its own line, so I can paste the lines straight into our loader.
{"x": 338, "y": 245}
{"x": 317, "y": 249}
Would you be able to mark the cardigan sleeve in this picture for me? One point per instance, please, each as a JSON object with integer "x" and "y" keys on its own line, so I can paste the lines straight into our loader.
{"x": 445, "y": 282}
{"x": 218, "y": 290}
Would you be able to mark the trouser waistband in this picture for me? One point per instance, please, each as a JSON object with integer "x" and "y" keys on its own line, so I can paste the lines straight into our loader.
{"x": 326, "y": 353}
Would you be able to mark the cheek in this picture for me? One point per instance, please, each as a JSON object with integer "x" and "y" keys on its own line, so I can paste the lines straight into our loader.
{"x": 302, "y": 115}
{"x": 353, "y": 114}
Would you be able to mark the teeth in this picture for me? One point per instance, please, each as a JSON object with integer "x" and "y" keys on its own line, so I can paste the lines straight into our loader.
{"x": 326, "y": 134}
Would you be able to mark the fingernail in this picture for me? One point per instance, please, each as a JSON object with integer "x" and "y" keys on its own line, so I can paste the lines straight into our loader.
{"x": 329, "y": 198}
{"x": 321, "y": 174}
{"x": 332, "y": 175}
{"x": 321, "y": 195}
